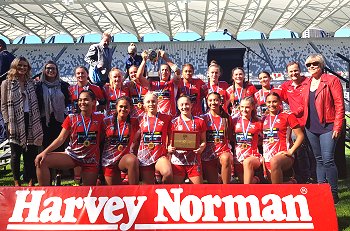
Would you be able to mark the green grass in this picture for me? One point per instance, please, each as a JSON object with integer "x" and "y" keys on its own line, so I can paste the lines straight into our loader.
{"x": 343, "y": 208}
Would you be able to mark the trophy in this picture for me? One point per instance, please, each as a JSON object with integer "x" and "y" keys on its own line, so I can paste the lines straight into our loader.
{"x": 152, "y": 65}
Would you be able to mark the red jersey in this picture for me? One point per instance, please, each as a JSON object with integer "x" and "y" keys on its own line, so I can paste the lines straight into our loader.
{"x": 220, "y": 88}
{"x": 166, "y": 96}
{"x": 217, "y": 139}
{"x": 181, "y": 157}
{"x": 260, "y": 99}
{"x": 292, "y": 95}
{"x": 154, "y": 133}
{"x": 85, "y": 135}
{"x": 137, "y": 93}
{"x": 239, "y": 94}
{"x": 246, "y": 138}
{"x": 75, "y": 90}
{"x": 275, "y": 133}
{"x": 112, "y": 95}
{"x": 119, "y": 136}
{"x": 196, "y": 90}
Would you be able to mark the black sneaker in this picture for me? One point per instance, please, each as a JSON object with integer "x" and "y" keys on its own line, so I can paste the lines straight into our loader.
{"x": 57, "y": 181}
{"x": 310, "y": 180}
{"x": 335, "y": 199}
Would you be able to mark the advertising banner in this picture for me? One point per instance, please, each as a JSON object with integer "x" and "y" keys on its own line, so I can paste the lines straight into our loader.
{"x": 168, "y": 207}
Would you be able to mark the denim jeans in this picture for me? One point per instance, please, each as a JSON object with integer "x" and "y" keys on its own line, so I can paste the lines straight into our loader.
{"x": 305, "y": 164}
{"x": 323, "y": 147}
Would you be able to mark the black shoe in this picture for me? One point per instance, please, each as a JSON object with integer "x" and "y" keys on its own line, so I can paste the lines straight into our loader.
{"x": 335, "y": 199}
{"x": 57, "y": 181}
{"x": 310, "y": 180}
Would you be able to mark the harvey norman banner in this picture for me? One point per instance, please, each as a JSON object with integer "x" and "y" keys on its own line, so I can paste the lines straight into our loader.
{"x": 168, "y": 207}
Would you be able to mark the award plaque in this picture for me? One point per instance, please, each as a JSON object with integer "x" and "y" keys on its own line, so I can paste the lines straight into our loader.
{"x": 185, "y": 140}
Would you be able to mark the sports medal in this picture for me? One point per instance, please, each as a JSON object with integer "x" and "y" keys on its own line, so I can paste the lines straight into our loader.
{"x": 217, "y": 129}
{"x": 271, "y": 126}
{"x": 245, "y": 134}
{"x": 86, "y": 143}
{"x": 150, "y": 145}
{"x": 86, "y": 131}
{"x": 160, "y": 97}
{"x": 120, "y": 135}
{"x": 216, "y": 140}
{"x": 244, "y": 145}
{"x": 139, "y": 94}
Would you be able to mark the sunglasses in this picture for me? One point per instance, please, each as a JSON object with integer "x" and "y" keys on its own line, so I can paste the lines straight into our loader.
{"x": 315, "y": 64}
{"x": 50, "y": 68}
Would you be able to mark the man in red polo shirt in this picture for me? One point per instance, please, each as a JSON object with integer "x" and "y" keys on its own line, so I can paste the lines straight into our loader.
{"x": 305, "y": 167}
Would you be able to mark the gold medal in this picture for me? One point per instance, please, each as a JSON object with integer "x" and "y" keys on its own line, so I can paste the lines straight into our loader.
{"x": 160, "y": 97}
{"x": 150, "y": 145}
{"x": 86, "y": 143}
{"x": 244, "y": 145}
{"x": 216, "y": 140}
{"x": 271, "y": 140}
{"x": 139, "y": 105}
{"x": 120, "y": 148}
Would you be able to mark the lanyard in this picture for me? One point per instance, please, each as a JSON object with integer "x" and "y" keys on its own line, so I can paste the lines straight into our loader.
{"x": 217, "y": 88}
{"x": 86, "y": 130}
{"x": 120, "y": 135}
{"x": 76, "y": 92}
{"x": 245, "y": 133}
{"x": 263, "y": 96}
{"x": 154, "y": 126}
{"x": 189, "y": 89}
{"x": 212, "y": 121}
{"x": 240, "y": 94}
{"x": 273, "y": 123}
{"x": 193, "y": 124}
{"x": 115, "y": 93}
{"x": 139, "y": 93}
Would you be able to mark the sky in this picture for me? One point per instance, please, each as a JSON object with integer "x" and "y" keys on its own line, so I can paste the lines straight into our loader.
{"x": 183, "y": 36}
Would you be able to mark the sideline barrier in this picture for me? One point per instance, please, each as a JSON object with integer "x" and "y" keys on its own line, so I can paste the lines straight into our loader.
{"x": 168, "y": 207}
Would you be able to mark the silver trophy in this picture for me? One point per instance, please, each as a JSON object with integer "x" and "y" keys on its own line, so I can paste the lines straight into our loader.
{"x": 152, "y": 64}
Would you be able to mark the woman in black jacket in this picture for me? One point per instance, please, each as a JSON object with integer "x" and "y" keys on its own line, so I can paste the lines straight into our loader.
{"x": 53, "y": 98}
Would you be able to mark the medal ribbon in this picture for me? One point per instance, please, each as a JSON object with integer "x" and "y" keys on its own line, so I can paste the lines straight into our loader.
{"x": 160, "y": 91}
{"x": 76, "y": 92}
{"x": 273, "y": 123}
{"x": 120, "y": 135}
{"x": 154, "y": 126}
{"x": 189, "y": 89}
{"x": 217, "y": 88}
{"x": 115, "y": 93}
{"x": 139, "y": 93}
{"x": 212, "y": 121}
{"x": 86, "y": 130}
{"x": 240, "y": 95}
{"x": 193, "y": 124}
{"x": 245, "y": 133}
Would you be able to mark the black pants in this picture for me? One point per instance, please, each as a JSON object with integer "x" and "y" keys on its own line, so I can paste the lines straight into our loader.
{"x": 28, "y": 160}
{"x": 28, "y": 156}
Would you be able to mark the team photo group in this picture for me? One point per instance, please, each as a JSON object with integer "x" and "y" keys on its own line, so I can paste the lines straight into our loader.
{"x": 153, "y": 122}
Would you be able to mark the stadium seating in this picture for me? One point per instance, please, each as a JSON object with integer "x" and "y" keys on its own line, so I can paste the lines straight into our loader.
{"x": 279, "y": 51}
